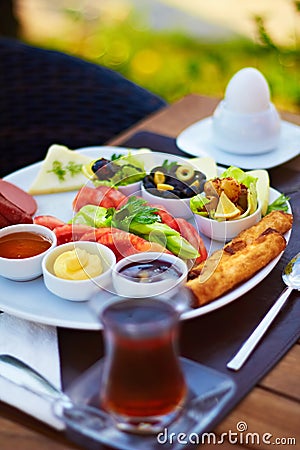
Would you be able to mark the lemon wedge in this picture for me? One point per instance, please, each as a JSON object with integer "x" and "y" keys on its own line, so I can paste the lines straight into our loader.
{"x": 87, "y": 170}
{"x": 226, "y": 210}
{"x": 262, "y": 187}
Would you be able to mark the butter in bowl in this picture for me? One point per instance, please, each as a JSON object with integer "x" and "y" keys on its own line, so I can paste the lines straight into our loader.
{"x": 78, "y": 270}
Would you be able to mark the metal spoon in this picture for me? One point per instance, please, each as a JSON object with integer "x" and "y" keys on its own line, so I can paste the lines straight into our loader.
{"x": 86, "y": 418}
{"x": 291, "y": 277}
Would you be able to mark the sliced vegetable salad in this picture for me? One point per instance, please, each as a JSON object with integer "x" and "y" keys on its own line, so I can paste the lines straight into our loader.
{"x": 127, "y": 225}
{"x": 136, "y": 217}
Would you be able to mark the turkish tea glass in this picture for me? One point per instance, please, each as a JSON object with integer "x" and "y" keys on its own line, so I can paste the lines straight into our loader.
{"x": 143, "y": 387}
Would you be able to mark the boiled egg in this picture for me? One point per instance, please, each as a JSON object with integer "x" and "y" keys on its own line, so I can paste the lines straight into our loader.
{"x": 247, "y": 92}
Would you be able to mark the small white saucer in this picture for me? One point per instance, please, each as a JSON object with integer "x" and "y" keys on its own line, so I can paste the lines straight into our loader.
{"x": 209, "y": 394}
{"x": 197, "y": 140}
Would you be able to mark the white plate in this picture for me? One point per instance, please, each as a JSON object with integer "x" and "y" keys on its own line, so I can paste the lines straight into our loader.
{"x": 32, "y": 301}
{"x": 197, "y": 141}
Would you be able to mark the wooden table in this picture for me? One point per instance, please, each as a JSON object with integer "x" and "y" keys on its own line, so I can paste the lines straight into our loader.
{"x": 273, "y": 406}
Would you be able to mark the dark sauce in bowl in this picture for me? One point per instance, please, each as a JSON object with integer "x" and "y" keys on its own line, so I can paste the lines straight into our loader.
{"x": 150, "y": 271}
{"x": 23, "y": 244}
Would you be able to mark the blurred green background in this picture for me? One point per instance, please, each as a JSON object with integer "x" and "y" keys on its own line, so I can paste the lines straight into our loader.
{"x": 163, "y": 51}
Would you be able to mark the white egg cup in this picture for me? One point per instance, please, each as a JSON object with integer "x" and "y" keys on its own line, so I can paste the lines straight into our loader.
{"x": 246, "y": 133}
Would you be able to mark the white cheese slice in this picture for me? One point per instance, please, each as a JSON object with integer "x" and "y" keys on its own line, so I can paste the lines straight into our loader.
{"x": 206, "y": 165}
{"x": 60, "y": 171}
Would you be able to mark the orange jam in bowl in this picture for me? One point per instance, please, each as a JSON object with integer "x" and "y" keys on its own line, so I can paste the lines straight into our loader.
{"x": 23, "y": 244}
{"x": 22, "y": 249}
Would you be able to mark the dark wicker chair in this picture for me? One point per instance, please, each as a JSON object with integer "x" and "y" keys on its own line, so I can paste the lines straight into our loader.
{"x": 49, "y": 97}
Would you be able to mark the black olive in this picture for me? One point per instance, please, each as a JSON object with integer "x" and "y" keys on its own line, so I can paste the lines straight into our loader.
{"x": 201, "y": 189}
{"x": 172, "y": 170}
{"x": 99, "y": 164}
{"x": 179, "y": 185}
{"x": 188, "y": 192}
{"x": 174, "y": 182}
{"x": 170, "y": 194}
{"x": 148, "y": 182}
{"x": 200, "y": 175}
{"x": 157, "y": 169}
{"x": 104, "y": 169}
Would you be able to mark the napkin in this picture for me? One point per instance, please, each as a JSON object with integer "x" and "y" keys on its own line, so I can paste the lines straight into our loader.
{"x": 37, "y": 345}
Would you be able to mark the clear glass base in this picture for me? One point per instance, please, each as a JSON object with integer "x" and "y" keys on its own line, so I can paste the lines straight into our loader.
{"x": 146, "y": 425}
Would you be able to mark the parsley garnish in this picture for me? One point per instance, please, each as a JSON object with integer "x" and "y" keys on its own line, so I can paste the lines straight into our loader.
{"x": 73, "y": 168}
{"x": 168, "y": 165}
{"x": 280, "y": 204}
{"x": 137, "y": 210}
{"x": 61, "y": 171}
{"x": 114, "y": 157}
{"x": 58, "y": 169}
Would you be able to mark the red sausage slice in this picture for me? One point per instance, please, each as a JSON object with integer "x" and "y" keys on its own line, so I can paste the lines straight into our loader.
{"x": 12, "y": 213}
{"x": 20, "y": 198}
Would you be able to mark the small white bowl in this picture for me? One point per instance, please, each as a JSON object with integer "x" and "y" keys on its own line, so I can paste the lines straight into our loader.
{"x": 78, "y": 290}
{"x": 227, "y": 229}
{"x": 128, "y": 287}
{"x": 131, "y": 189}
{"x": 25, "y": 269}
{"x": 246, "y": 133}
{"x": 177, "y": 207}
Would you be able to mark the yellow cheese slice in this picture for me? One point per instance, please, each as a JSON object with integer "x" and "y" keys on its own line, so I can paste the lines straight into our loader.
{"x": 60, "y": 171}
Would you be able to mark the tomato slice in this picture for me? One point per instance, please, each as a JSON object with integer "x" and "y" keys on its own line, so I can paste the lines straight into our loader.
{"x": 70, "y": 232}
{"x": 189, "y": 232}
{"x": 121, "y": 242}
{"x": 166, "y": 217}
{"x": 48, "y": 221}
{"x": 101, "y": 196}
{"x": 114, "y": 196}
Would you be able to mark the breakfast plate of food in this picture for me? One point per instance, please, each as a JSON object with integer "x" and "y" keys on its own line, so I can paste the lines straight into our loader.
{"x": 64, "y": 191}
